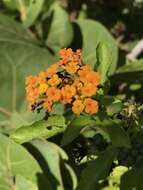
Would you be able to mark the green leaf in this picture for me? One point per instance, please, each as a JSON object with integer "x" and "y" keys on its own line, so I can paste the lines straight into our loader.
{"x": 50, "y": 153}
{"x": 28, "y": 9}
{"x": 115, "y": 132}
{"x": 11, "y": 4}
{"x": 96, "y": 170}
{"x": 104, "y": 60}
{"x": 19, "y": 119}
{"x": 53, "y": 156}
{"x": 132, "y": 179}
{"x": 131, "y": 66}
{"x": 13, "y": 32}
{"x": 113, "y": 105}
{"x": 22, "y": 184}
{"x": 132, "y": 71}
{"x": 20, "y": 56}
{"x": 61, "y": 32}
{"x": 72, "y": 175}
{"x": 32, "y": 10}
{"x": 114, "y": 108}
{"x": 58, "y": 109}
{"x": 74, "y": 128}
{"x": 116, "y": 174}
{"x": 92, "y": 34}
{"x": 40, "y": 129}
{"x": 15, "y": 160}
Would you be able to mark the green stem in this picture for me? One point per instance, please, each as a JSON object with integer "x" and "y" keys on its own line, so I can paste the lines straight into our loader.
{"x": 5, "y": 112}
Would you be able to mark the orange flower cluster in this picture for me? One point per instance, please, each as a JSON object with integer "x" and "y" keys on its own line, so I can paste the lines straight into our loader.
{"x": 69, "y": 81}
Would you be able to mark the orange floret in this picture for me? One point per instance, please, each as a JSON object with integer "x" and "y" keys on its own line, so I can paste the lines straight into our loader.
{"x": 41, "y": 77}
{"x": 88, "y": 90}
{"x": 84, "y": 69}
{"x": 93, "y": 77}
{"x": 72, "y": 67}
{"x": 54, "y": 81}
{"x": 68, "y": 90}
{"x": 67, "y": 93}
{"x": 43, "y": 87}
{"x": 77, "y": 83}
{"x": 52, "y": 70}
{"x": 31, "y": 81}
{"x": 66, "y": 99}
{"x": 53, "y": 94}
{"x": 66, "y": 53}
{"x": 91, "y": 106}
{"x": 84, "y": 73}
{"x": 78, "y": 107}
{"x": 47, "y": 105}
{"x": 32, "y": 96}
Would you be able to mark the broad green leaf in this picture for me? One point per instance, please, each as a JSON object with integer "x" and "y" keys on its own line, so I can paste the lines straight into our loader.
{"x": 96, "y": 170}
{"x": 132, "y": 71}
{"x": 60, "y": 33}
{"x": 15, "y": 160}
{"x": 40, "y": 129}
{"x": 22, "y": 184}
{"x": 74, "y": 128}
{"x": 113, "y": 105}
{"x": 94, "y": 33}
{"x": 11, "y": 4}
{"x": 58, "y": 109}
{"x": 53, "y": 156}
{"x": 13, "y": 32}
{"x": 48, "y": 5}
{"x": 72, "y": 175}
{"x": 32, "y": 11}
{"x": 28, "y": 9}
{"x": 131, "y": 66}
{"x": 19, "y": 57}
{"x": 19, "y": 119}
{"x": 116, "y": 174}
{"x": 104, "y": 61}
{"x": 115, "y": 132}
{"x": 132, "y": 180}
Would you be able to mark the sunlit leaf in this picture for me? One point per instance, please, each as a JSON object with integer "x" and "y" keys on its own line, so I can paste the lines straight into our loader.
{"x": 75, "y": 127}
{"x": 53, "y": 156}
{"x": 40, "y": 129}
{"x": 104, "y": 61}
{"x": 92, "y": 34}
{"x": 28, "y": 9}
{"x": 20, "y": 56}
{"x": 60, "y": 33}
{"x": 15, "y": 160}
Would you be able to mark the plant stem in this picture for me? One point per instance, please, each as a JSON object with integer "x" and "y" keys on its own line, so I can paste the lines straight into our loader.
{"x": 5, "y": 112}
{"x": 137, "y": 50}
